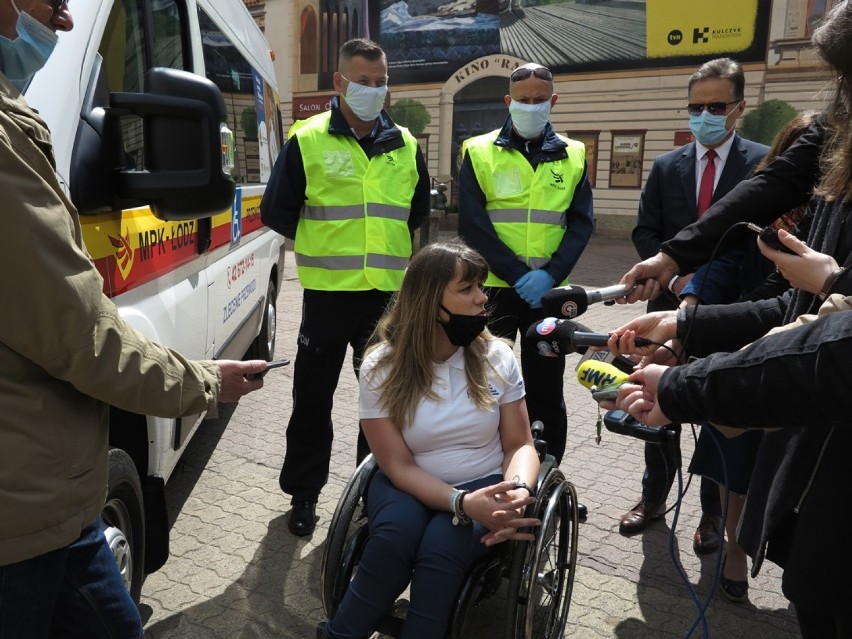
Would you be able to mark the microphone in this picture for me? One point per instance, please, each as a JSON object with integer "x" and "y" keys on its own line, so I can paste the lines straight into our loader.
{"x": 599, "y": 374}
{"x": 569, "y": 302}
{"x": 553, "y": 337}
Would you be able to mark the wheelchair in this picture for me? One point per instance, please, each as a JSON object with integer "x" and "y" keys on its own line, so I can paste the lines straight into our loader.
{"x": 540, "y": 573}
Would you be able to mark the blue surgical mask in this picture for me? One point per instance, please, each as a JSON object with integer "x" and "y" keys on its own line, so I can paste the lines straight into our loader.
{"x": 707, "y": 128}
{"x": 22, "y": 57}
{"x": 529, "y": 120}
{"x": 366, "y": 102}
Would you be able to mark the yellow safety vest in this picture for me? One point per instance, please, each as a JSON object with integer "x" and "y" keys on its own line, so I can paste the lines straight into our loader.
{"x": 353, "y": 231}
{"x": 527, "y": 207}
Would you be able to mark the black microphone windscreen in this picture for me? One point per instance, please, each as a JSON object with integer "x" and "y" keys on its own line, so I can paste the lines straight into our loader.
{"x": 565, "y": 302}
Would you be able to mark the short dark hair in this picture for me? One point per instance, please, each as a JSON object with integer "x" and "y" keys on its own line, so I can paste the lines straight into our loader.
{"x": 723, "y": 68}
{"x": 361, "y": 47}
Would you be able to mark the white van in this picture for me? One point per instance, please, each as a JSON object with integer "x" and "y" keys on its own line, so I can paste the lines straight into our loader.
{"x": 143, "y": 144}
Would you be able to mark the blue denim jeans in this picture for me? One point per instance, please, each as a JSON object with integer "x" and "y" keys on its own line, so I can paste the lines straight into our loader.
{"x": 76, "y": 591}
{"x": 408, "y": 542}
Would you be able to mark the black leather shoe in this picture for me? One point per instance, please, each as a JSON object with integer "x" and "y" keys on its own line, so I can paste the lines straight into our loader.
{"x": 303, "y": 518}
{"x": 637, "y": 518}
{"x": 321, "y": 630}
{"x": 582, "y": 511}
{"x": 707, "y": 536}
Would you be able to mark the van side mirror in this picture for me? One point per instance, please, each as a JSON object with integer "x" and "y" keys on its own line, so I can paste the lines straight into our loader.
{"x": 183, "y": 177}
{"x": 181, "y": 155}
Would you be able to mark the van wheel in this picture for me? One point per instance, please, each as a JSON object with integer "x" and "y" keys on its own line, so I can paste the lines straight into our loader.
{"x": 263, "y": 346}
{"x": 124, "y": 519}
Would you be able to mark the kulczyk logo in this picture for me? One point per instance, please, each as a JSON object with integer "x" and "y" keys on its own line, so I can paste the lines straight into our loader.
{"x": 700, "y": 35}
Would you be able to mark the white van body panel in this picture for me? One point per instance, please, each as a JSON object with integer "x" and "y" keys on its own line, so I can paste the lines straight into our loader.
{"x": 197, "y": 307}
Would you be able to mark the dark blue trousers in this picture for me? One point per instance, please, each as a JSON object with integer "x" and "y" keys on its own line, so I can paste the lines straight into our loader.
{"x": 408, "y": 542}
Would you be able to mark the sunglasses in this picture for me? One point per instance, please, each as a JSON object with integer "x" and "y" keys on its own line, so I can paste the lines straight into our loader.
{"x": 525, "y": 72}
{"x": 57, "y": 5}
{"x": 713, "y": 108}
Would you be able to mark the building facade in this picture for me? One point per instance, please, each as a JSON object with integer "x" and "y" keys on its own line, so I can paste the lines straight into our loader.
{"x": 621, "y": 69}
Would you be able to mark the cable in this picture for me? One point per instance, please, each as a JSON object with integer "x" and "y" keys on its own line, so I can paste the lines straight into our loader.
{"x": 702, "y": 608}
{"x": 709, "y": 263}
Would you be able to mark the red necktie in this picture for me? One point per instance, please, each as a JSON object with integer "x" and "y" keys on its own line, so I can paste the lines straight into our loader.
{"x": 705, "y": 192}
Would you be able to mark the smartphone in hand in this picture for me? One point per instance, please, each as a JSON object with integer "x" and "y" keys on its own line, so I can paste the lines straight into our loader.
{"x": 769, "y": 236}
{"x": 278, "y": 363}
{"x": 608, "y": 392}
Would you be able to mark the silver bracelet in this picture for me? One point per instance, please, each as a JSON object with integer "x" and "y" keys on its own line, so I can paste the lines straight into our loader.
{"x": 672, "y": 283}
{"x": 459, "y": 516}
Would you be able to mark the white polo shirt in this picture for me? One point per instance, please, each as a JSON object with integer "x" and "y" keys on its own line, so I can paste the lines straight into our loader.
{"x": 451, "y": 438}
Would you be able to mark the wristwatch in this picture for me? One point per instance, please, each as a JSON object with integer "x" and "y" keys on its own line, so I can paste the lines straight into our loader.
{"x": 829, "y": 283}
{"x": 521, "y": 484}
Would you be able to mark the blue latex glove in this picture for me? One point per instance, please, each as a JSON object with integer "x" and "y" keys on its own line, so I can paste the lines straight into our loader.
{"x": 531, "y": 286}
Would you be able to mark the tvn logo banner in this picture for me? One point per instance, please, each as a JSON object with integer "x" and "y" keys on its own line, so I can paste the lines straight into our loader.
{"x": 697, "y": 27}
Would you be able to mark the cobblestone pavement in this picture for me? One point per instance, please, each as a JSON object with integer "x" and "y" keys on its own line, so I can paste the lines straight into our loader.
{"x": 236, "y": 572}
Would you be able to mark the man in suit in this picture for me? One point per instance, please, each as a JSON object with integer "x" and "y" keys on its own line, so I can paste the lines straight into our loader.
{"x": 681, "y": 186}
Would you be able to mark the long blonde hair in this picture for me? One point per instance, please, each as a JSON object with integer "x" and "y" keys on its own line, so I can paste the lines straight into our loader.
{"x": 409, "y": 328}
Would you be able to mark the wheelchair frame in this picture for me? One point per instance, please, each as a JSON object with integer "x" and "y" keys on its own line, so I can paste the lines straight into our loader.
{"x": 540, "y": 573}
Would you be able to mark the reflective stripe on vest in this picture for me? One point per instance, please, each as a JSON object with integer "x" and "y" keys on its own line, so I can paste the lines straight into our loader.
{"x": 332, "y": 213}
{"x": 350, "y": 262}
{"x": 526, "y": 207}
{"x": 353, "y": 232}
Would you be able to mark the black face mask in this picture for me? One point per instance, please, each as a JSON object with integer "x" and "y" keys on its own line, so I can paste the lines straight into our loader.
{"x": 463, "y": 329}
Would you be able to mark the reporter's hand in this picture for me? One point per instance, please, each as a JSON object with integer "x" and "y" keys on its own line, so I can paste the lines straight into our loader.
{"x": 670, "y": 356}
{"x": 807, "y": 270}
{"x": 500, "y": 508}
{"x": 639, "y": 398}
{"x": 533, "y": 285}
{"x": 237, "y": 378}
{"x": 649, "y": 277}
{"x": 659, "y": 327}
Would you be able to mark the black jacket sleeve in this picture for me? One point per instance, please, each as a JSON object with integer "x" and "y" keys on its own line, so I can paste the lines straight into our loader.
{"x": 786, "y": 182}
{"x": 647, "y": 236}
{"x": 705, "y": 329}
{"x": 421, "y": 200}
{"x": 799, "y": 377}
{"x": 285, "y": 193}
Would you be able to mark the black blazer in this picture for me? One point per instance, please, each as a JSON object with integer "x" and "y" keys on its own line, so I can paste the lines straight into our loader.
{"x": 785, "y": 183}
{"x": 668, "y": 202}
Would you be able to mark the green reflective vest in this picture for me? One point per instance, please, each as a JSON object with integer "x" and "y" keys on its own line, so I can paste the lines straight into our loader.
{"x": 353, "y": 231}
{"x": 527, "y": 207}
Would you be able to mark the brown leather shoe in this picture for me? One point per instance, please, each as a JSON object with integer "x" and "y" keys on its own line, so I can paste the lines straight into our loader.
{"x": 637, "y": 518}
{"x": 707, "y": 536}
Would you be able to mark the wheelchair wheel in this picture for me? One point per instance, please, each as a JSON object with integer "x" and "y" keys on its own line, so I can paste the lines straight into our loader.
{"x": 346, "y": 537}
{"x": 482, "y": 581}
{"x": 541, "y": 575}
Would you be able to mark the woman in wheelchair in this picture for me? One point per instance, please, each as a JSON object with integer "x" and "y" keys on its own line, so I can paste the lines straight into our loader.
{"x": 442, "y": 407}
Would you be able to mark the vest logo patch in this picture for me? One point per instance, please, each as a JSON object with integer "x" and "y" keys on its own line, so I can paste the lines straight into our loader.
{"x": 390, "y": 159}
{"x": 558, "y": 180}
{"x": 338, "y": 163}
